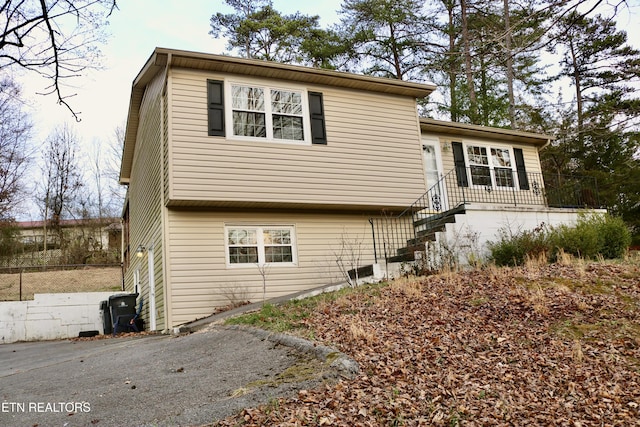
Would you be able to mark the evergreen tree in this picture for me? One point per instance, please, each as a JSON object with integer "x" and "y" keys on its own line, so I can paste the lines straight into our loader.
{"x": 390, "y": 37}
{"x": 487, "y": 62}
{"x": 603, "y": 70}
{"x": 226, "y": 25}
{"x": 259, "y": 31}
{"x": 599, "y": 64}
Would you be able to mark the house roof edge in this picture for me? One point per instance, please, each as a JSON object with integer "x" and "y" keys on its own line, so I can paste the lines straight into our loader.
{"x": 466, "y": 129}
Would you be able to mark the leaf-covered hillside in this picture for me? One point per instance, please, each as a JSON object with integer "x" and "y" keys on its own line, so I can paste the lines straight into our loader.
{"x": 539, "y": 345}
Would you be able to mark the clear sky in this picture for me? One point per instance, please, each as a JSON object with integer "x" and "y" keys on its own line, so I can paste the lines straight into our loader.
{"x": 141, "y": 25}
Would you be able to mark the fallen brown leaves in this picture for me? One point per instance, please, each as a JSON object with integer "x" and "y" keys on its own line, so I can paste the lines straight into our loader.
{"x": 541, "y": 345}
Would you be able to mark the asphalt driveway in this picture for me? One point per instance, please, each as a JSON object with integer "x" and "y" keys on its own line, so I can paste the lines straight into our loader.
{"x": 155, "y": 380}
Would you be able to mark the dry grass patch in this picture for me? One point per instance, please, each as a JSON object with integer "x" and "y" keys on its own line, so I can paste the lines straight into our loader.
{"x": 360, "y": 331}
{"x": 409, "y": 286}
{"x": 88, "y": 279}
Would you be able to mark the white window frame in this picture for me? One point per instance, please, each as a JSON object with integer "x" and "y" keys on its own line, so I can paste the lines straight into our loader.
{"x": 267, "y": 88}
{"x": 492, "y": 167}
{"x": 261, "y": 245}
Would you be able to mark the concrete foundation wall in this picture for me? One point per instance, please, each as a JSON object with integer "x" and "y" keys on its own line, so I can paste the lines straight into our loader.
{"x": 51, "y": 316}
{"x": 482, "y": 224}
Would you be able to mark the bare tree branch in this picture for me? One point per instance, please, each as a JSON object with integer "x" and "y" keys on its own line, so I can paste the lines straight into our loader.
{"x": 56, "y": 39}
{"x": 15, "y": 131}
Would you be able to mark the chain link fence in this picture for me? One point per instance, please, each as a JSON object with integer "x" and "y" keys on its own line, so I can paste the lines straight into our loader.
{"x": 21, "y": 282}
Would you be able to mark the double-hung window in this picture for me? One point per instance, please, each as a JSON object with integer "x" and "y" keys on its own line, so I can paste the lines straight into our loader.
{"x": 249, "y": 112}
{"x": 490, "y": 166}
{"x": 479, "y": 165}
{"x": 269, "y": 113}
{"x": 250, "y": 245}
{"x": 243, "y": 110}
{"x": 502, "y": 167}
{"x": 286, "y": 107}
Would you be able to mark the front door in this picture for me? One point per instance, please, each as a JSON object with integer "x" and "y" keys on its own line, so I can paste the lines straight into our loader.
{"x": 433, "y": 173}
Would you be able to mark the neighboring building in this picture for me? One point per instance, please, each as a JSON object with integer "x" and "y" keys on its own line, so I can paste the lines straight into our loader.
{"x": 234, "y": 163}
{"x": 101, "y": 234}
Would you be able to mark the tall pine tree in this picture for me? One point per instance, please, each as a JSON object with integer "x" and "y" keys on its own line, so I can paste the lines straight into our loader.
{"x": 602, "y": 70}
{"x": 258, "y": 31}
{"x": 390, "y": 37}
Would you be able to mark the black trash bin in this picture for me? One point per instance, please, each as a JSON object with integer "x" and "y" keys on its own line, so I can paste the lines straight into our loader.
{"x": 105, "y": 312}
{"x": 123, "y": 306}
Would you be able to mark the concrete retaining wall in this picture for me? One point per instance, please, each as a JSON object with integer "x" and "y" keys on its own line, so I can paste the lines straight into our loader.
{"x": 51, "y": 316}
{"x": 468, "y": 238}
{"x": 481, "y": 224}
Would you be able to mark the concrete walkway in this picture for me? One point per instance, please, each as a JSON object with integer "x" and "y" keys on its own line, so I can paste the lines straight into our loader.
{"x": 221, "y": 317}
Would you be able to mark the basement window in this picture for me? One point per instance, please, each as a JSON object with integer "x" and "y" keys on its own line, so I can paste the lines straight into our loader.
{"x": 251, "y": 245}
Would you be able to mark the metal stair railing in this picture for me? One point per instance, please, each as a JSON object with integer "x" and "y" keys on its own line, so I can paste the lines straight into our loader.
{"x": 392, "y": 233}
{"x": 395, "y": 235}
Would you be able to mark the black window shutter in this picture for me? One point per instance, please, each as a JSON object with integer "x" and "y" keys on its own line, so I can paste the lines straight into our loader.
{"x": 458, "y": 160}
{"x": 316, "y": 110}
{"x": 215, "y": 104}
{"x": 522, "y": 171}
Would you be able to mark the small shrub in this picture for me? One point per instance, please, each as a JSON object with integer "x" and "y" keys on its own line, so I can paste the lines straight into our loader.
{"x": 515, "y": 249}
{"x": 615, "y": 237}
{"x": 593, "y": 236}
{"x": 580, "y": 241}
{"x": 76, "y": 252}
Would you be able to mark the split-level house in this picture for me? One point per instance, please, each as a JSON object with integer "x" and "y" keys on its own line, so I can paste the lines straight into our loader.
{"x": 250, "y": 179}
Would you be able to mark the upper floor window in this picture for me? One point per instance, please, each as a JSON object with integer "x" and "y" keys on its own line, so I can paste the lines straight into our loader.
{"x": 267, "y": 113}
{"x": 502, "y": 167}
{"x": 263, "y": 112}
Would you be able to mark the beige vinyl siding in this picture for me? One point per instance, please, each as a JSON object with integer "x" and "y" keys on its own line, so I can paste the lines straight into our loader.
{"x": 372, "y": 157}
{"x": 201, "y": 280}
{"x": 531, "y": 158}
{"x": 166, "y": 125}
{"x": 145, "y": 201}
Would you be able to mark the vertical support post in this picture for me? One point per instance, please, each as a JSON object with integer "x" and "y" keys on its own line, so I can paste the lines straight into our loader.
{"x": 21, "y": 284}
{"x": 122, "y": 276}
{"x": 386, "y": 261}
{"x": 464, "y": 197}
{"x": 373, "y": 232}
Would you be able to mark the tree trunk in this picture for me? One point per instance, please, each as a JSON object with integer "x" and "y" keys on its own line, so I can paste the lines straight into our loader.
{"x": 509, "y": 65}
{"x": 452, "y": 71}
{"x": 397, "y": 62}
{"x": 577, "y": 81}
{"x": 483, "y": 108}
{"x": 473, "y": 101}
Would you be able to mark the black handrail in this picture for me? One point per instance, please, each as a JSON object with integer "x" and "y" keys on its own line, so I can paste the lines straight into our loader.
{"x": 396, "y": 235}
